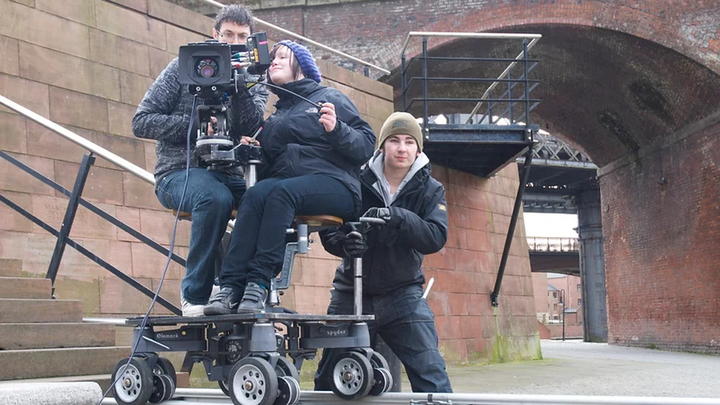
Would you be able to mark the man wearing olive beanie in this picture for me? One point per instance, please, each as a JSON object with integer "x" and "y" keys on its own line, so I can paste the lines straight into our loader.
{"x": 397, "y": 188}
{"x": 400, "y": 123}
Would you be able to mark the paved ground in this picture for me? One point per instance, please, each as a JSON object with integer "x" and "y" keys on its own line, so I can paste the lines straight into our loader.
{"x": 578, "y": 368}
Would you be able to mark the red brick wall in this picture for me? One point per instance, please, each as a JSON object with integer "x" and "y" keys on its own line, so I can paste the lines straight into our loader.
{"x": 465, "y": 270}
{"x": 375, "y": 30}
{"x": 662, "y": 260}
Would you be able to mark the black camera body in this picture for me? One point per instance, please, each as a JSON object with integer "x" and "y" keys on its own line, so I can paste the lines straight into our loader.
{"x": 214, "y": 71}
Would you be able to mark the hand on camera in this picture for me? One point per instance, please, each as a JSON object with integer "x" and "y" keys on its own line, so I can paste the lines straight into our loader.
{"x": 354, "y": 244}
{"x": 246, "y": 140}
{"x": 327, "y": 116}
{"x": 212, "y": 126}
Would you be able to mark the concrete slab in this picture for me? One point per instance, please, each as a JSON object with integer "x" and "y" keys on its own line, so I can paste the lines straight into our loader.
{"x": 80, "y": 393}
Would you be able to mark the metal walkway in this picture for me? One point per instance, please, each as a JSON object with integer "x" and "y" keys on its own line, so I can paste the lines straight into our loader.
{"x": 185, "y": 396}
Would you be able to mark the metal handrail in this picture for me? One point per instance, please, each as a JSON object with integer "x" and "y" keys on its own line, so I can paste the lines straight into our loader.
{"x": 553, "y": 244}
{"x": 309, "y": 41}
{"x": 487, "y": 35}
{"x": 79, "y": 140}
{"x": 507, "y": 70}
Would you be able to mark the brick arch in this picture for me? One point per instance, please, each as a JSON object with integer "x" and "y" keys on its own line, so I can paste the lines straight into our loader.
{"x": 690, "y": 34}
{"x": 375, "y": 30}
{"x": 608, "y": 92}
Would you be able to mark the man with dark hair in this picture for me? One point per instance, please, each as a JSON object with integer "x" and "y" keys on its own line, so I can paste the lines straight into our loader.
{"x": 165, "y": 114}
{"x": 396, "y": 187}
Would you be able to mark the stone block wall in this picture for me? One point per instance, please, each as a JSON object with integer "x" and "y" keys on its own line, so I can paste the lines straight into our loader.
{"x": 86, "y": 64}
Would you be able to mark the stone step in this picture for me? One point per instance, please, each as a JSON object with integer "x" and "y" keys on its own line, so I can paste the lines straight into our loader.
{"x": 25, "y": 287}
{"x": 183, "y": 380}
{"x": 15, "y": 310}
{"x": 10, "y": 268}
{"x": 19, "y": 336}
{"x": 43, "y": 363}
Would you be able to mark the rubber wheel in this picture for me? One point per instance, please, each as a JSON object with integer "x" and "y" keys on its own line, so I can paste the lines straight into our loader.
{"x": 288, "y": 391}
{"x": 378, "y": 361}
{"x": 163, "y": 366}
{"x": 286, "y": 368}
{"x": 224, "y": 387}
{"x": 383, "y": 381}
{"x": 352, "y": 376}
{"x": 253, "y": 382}
{"x": 162, "y": 386}
{"x": 171, "y": 392}
{"x": 134, "y": 383}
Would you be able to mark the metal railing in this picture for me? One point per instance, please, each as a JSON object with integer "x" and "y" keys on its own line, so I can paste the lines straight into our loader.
{"x": 310, "y": 41}
{"x": 506, "y": 98}
{"x": 552, "y": 244}
{"x": 75, "y": 200}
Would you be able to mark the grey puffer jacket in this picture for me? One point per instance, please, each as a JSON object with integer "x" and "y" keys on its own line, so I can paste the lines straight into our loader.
{"x": 165, "y": 111}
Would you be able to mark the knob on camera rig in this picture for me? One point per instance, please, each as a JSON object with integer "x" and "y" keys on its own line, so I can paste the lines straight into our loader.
{"x": 214, "y": 71}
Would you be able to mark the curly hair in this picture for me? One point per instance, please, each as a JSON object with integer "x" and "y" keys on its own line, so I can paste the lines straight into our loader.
{"x": 237, "y": 14}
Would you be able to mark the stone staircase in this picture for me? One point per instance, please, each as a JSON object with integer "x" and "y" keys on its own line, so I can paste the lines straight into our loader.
{"x": 42, "y": 339}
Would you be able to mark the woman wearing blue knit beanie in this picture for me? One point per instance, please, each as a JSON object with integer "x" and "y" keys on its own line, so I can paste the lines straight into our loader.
{"x": 313, "y": 155}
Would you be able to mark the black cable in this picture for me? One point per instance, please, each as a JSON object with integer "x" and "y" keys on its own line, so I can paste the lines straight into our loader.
{"x": 167, "y": 263}
{"x": 318, "y": 104}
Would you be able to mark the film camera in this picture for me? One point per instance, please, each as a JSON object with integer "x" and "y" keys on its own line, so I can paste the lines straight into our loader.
{"x": 214, "y": 71}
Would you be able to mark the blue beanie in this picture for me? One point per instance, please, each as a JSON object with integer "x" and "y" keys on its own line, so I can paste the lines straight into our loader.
{"x": 304, "y": 58}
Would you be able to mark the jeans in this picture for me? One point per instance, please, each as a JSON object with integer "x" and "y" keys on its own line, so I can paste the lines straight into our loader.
{"x": 257, "y": 245}
{"x": 407, "y": 325}
{"x": 210, "y": 197}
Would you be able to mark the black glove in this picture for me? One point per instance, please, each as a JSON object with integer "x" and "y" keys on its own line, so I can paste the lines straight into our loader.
{"x": 381, "y": 213}
{"x": 354, "y": 244}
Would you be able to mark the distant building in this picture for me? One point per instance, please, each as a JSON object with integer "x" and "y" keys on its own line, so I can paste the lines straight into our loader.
{"x": 553, "y": 293}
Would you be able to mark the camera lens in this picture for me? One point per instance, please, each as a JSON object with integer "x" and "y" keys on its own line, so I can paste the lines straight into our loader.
{"x": 207, "y": 68}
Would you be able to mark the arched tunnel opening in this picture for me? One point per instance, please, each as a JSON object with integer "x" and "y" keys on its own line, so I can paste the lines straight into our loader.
{"x": 612, "y": 96}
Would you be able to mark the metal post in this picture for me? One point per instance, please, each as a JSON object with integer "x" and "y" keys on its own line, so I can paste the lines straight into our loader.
{"x": 490, "y": 106}
{"x": 527, "y": 81}
{"x": 403, "y": 85}
{"x": 511, "y": 228}
{"x": 251, "y": 173}
{"x": 366, "y": 71}
{"x": 592, "y": 266}
{"x": 425, "y": 85}
{"x": 357, "y": 262}
{"x": 510, "y": 96}
{"x": 87, "y": 161}
{"x": 562, "y": 302}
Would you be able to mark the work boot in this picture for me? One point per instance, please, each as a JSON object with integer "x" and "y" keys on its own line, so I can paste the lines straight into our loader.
{"x": 223, "y": 303}
{"x": 253, "y": 301}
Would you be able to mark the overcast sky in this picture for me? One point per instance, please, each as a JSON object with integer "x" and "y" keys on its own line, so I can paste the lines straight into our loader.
{"x": 552, "y": 225}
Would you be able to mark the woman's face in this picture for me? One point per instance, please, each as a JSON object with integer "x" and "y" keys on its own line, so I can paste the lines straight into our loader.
{"x": 281, "y": 68}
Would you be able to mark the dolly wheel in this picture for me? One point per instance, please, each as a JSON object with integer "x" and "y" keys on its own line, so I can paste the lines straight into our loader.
{"x": 352, "y": 376}
{"x": 253, "y": 382}
{"x": 134, "y": 383}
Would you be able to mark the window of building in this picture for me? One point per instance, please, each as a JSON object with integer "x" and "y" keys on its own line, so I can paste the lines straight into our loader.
{"x": 579, "y": 302}
{"x": 555, "y": 317}
{"x": 554, "y": 294}
{"x": 579, "y": 287}
{"x": 555, "y": 307}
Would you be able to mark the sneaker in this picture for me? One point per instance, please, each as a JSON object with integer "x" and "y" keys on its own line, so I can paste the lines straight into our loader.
{"x": 253, "y": 301}
{"x": 223, "y": 303}
{"x": 191, "y": 310}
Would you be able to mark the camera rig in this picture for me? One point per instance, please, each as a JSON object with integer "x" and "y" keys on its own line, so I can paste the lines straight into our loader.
{"x": 215, "y": 71}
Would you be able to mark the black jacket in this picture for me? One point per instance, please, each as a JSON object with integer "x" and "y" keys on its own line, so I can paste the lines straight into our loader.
{"x": 295, "y": 142}
{"x": 395, "y": 252}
